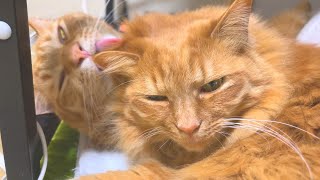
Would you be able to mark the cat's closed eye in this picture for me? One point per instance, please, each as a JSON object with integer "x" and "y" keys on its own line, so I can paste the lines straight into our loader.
{"x": 212, "y": 86}
{"x": 156, "y": 98}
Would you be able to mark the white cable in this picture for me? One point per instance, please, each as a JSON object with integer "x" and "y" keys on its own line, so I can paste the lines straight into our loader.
{"x": 84, "y": 6}
{"x": 45, "y": 154}
{"x": 2, "y": 166}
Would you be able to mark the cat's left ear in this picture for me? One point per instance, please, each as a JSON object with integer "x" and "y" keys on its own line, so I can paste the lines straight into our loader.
{"x": 233, "y": 25}
{"x": 116, "y": 62}
{"x": 40, "y": 25}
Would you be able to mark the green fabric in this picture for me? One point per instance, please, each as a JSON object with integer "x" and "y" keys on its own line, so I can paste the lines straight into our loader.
{"x": 62, "y": 153}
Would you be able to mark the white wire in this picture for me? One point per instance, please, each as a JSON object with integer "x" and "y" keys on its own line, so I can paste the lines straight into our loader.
{"x": 45, "y": 154}
{"x": 2, "y": 166}
{"x": 84, "y": 6}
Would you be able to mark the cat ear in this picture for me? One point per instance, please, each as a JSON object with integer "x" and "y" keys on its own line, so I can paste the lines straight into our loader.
{"x": 233, "y": 25}
{"x": 116, "y": 62}
{"x": 40, "y": 25}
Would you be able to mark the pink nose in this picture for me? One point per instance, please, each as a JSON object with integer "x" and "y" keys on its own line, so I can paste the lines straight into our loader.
{"x": 78, "y": 54}
{"x": 189, "y": 128}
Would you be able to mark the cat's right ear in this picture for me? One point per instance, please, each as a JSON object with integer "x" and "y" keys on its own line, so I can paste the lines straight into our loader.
{"x": 233, "y": 26}
{"x": 116, "y": 62}
{"x": 40, "y": 25}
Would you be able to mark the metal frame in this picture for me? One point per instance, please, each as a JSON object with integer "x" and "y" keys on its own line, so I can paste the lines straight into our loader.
{"x": 17, "y": 114}
{"x": 21, "y": 143}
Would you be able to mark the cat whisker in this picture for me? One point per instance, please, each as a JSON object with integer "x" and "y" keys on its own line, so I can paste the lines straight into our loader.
{"x": 220, "y": 141}
{"x": 274, "y": 134}
{"x": 145, "y": 136}
{"x": 110, "y": 13}
{"x": 163, "y": 144}
{"x": 270, "y": 128}
{"x": 272, "y": 121}
{"x": 101, "y": 14}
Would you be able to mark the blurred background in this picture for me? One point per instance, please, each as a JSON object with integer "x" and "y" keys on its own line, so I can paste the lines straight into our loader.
{"x": 54, "y": 8}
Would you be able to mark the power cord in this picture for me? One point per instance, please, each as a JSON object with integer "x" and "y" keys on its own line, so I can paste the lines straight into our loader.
{"x": 45, "y": 155}
{"x": 84, "y": 6}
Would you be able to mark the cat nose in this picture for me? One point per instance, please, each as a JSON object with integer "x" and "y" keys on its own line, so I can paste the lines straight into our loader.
{"x": 189, "y": 128}
{"x": 78, "y": 54}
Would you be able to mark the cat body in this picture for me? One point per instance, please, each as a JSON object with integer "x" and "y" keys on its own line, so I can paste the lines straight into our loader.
{"x": 184, "y": 81}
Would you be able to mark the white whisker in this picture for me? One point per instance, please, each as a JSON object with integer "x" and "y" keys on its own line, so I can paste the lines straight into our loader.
{"x": 271, "y": 121}
{"x": 274, "y": 134}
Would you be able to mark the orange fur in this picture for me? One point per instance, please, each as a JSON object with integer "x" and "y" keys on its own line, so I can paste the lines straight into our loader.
{"x": 266, "y": 77}
{"x": 71, "y": 91}
{"x": 291, "y": 21}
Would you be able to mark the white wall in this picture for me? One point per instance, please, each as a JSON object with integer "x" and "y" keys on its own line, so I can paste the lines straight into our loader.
{"x": 53, "y": 8}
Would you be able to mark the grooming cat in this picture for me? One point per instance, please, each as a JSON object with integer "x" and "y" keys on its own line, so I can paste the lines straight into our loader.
{"x": 63, "y": 72}
{"x": 196, "y": 93}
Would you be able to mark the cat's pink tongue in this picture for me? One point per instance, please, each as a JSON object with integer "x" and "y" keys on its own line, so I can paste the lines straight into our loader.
{"x": 107, "y": 42}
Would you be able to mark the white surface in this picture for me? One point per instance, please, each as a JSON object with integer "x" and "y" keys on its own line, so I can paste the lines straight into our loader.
{"x": 91, "y": 161}
{"x": 311, "y": 32}
{"x": 51, "y": 9}
{"x": 5, "y": 31}
{"x": 2, "y": 165}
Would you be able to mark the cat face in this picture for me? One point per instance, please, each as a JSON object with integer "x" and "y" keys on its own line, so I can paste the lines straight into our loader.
{"x": 69, "y": 42}
{"x": 62, "y": 64}
{"x": 185, "y": 81}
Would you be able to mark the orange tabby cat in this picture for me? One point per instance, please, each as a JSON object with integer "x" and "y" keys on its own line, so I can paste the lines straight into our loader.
{"x": 195, "y": 92}
{"x": 63, "y": 71}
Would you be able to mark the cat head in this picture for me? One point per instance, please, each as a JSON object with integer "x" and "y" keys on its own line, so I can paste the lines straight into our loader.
{"x": 62, "y": 60}
{"x": 68, "y": 42}
{"x": 186, "y": 73}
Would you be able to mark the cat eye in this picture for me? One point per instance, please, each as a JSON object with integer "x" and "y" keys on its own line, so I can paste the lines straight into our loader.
{"x": 157, "y": 98}
{"x": 212, "y": 86}
{"x": 62, "y": 35}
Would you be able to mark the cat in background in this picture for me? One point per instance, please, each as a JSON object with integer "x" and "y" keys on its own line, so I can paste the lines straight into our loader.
{"x": 64, "y": 75}
{"x": 291, "y": 21}
{"x": 213, "y": 94}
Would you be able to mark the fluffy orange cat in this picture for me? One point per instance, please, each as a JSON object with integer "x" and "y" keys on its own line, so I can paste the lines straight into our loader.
{"x": 213, "y": 94}
{"x": 64, "y": 75}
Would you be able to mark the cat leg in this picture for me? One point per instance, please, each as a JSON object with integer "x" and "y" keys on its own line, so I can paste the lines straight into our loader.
{"x": 250, "y": 164}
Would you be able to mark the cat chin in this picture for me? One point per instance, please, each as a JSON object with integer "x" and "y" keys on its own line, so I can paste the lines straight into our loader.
{"x": 194, "y": 145}
{"x": 88, "y": 64}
